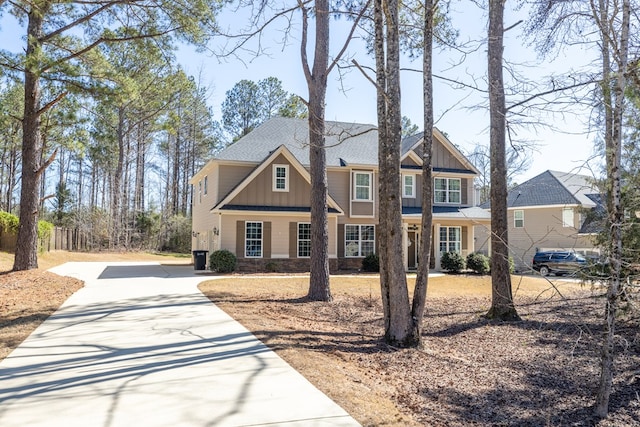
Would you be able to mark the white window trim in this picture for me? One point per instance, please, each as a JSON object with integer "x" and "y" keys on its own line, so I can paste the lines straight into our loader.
{"x": 286, "y": 178}
{"x": 246, "y": 226}
{"x": 354, "y": 196}
{"x": 515, "y": 219}
{"x": 568, "y": 224}
{"x": 298, "y": 240}
{"x": 359, "y": 255}
{"x": 447, "y": 191}
{"x": 412, "y": 186}
{"x": 449, "y": 241}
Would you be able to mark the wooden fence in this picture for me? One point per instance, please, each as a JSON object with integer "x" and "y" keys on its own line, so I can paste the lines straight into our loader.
{"x": 62, "y": 239}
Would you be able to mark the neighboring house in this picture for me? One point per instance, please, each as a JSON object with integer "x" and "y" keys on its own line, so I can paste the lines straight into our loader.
{"x": 253, "y": 198}
{"x": 549, "y": 212}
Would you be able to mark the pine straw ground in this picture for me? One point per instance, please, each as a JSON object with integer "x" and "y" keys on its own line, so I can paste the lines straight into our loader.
{"x": 542, "y": 371}
{"x": 472, "y": 372}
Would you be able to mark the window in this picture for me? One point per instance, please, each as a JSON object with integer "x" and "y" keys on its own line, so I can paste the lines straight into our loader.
{"x": 567, "y": 217}
{"x": 206, "y": 185}
{"x": 359, "y": 240}
{"x": 518, "y": 219}
{"x": 280, "y": 177}
{"x": 362, "y": 186}
{"x": 447, "y": 190}
{"x": 409, "y": 186}
{"x": 304, "y": 240}
{"x": 450, "y": 239}
{"x": 199, "y": 191}
{"x": 253, "y": 240}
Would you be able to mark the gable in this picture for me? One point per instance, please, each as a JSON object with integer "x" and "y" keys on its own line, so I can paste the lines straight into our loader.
{"x": 446, "y": 156}
{"x": 256, "y": 191}
{"x": 259, "y": 192}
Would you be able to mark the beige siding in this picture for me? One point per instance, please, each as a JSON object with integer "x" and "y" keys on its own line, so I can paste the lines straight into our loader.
{"x": 417, "y": 200}
{"x": 203, "y": 221}
{"x": 259, "y": 192}
{"x": 339, "y": 187}
{"x": 279, "y": 232}
{"x": 230, "y": 176}
{"x": 543, "y": 230}
{"x": 442, "y": 158}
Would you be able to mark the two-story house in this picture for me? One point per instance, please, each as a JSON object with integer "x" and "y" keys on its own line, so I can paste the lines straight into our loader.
{"x": 549, "y": 212}
{"x": 253, "y": 198}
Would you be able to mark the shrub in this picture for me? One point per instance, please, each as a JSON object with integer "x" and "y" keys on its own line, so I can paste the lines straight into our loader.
{"x": 271, "y": 267}
{"x": 8, "y": 222}
{"x": 371, "y": 263}
{"x": 478, "y": 263}
{"x": 222, "y": 261}
{"x": 512, "y": 265}
{"x": 452, "y": 262}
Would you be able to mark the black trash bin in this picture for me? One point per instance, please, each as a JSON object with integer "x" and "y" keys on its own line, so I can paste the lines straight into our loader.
{"x": 199, "y": 260}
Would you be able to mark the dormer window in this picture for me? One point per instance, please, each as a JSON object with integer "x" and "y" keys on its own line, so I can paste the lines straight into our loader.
{"x": 280, "y": 177}
{"x": 447, "y": 190}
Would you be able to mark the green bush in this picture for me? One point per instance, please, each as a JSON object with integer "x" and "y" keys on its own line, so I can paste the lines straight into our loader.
{"x": 271, "y": 267}
{"x": 512, "y": 265}
{"x": 371, "y": 263}
{"x": 478, "y": 263}
{"x": 45, "y": 229}
{"x": 222, "y": 261}
{"x": 8, "y": 222}
{"x": 452, "y": 262}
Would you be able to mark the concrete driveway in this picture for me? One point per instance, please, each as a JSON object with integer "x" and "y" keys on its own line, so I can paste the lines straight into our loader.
{"x": 139, "y": 345}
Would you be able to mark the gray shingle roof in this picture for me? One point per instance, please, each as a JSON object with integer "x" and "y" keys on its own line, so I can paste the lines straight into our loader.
{"x": 553, "y": 188}
{"x": 347, "y": 143}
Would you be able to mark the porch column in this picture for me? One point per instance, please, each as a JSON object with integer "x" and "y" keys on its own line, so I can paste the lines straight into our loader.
{"x": 436, "y": 245}
{"x": 471, "y": 238}
{"x": 405, "y": 241}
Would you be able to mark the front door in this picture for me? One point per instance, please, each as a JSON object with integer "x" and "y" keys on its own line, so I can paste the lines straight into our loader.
{"x": 412, "y": 250}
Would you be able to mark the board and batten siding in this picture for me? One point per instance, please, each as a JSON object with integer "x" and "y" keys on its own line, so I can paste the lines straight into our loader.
{"x": 259, "y": 192}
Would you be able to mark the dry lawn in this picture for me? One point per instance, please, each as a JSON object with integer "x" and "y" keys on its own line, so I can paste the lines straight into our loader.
{"x": 541, "y": 371}
{"x": 472, "y": 372}
{"x": 27, "y": 298}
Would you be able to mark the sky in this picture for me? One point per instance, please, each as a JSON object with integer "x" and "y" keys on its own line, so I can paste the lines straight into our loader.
{"x": 460, "y": 113}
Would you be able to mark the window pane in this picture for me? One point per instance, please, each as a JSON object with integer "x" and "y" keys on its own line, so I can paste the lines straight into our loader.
{"x": 304, "y": 231}
{"x": 351, "y": 232}
{"x": 304, "y": 248}
{"x": 362, "y": 179}
{"x": 454, "y": 234}
{"x": 362, "y": 193}
{"x": 367, "y": 248}
{"x": 351, "y": 249}
{"x": 367, "y": 232}
{"x": 454, "y": 197}
{"x": 454, "y": 184}
{"x": 440, "y": 197}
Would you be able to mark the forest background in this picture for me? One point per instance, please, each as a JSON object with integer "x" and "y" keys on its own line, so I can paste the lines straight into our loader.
{"x": 124, "y": 151}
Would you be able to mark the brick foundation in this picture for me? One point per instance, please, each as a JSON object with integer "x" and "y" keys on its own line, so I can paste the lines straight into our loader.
{"x": 296, "y": 265}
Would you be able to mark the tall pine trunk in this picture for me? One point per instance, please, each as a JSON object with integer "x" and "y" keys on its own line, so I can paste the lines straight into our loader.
{"x": 422, "y": 279}
{"x": 502, "y": 306}
{"x": 614, "y": 109}
{"x": 398, "y": 323}
{"x": 27, "y": 241}
{"x": 319, "y": 287}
